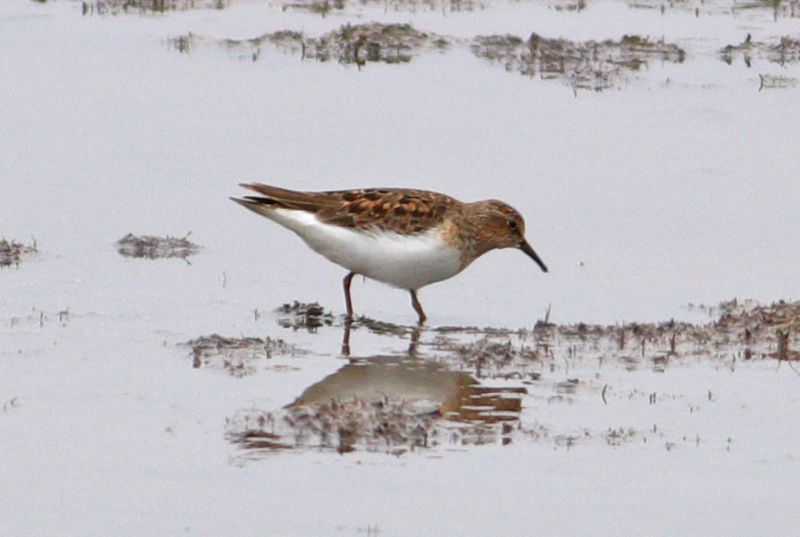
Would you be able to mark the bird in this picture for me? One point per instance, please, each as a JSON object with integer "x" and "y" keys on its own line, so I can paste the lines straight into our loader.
{"x": 406, "y": 238}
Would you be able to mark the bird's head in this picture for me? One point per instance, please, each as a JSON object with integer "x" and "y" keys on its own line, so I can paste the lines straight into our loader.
{"x": 501, "y": 226}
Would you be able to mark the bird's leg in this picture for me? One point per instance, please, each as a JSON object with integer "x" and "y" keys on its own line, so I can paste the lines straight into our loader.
{"x": 348, "y": 302}
{"x": 417, "y": 306}
{"x": 346, "y": 337}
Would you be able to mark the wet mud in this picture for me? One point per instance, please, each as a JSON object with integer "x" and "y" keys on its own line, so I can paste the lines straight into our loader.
{"x": 152, "y": 247}
{"x": 13, "y": 252}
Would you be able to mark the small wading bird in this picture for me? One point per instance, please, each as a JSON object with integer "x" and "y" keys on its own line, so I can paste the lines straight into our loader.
{"x": 406, "y": 238}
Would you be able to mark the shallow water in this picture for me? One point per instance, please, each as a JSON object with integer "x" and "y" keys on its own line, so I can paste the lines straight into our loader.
{"x": 677, "y": 185}
{"x": 676, "y": 188}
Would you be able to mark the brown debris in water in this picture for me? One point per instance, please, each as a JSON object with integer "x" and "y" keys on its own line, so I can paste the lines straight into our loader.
{"x": 41, "y": 318}
{"x": 779, "y": 8}
{"x": 114, "y": 7}
{"x": 12, "y": 252}
{"x": 324, "y": 7}
{"x": 343, "y": 426}
{"x": 372, "y": 42}
{"x": 776, "y": 82}
{"x": 151, "y": 247}
{"x": 390, "y": 404}
{"x": 391, "y": 425}
{"x": 764, "y": 331}
{"x": 303, "y": 316}
{"x": 742, "y": 330}
{"x": 786, "y": 51}
{"x": 350, "y": 44}
{"x": 287, "y": 40}
{"x": 238, "y": 357}
{"x": 493, "y": 358}
{"x": 382, "y": 327}
{"x": 434, "y": 396}
{"x": 594, "y": 65}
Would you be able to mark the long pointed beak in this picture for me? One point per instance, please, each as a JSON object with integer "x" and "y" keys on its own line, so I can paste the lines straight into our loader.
{"x": 525, "y": 247}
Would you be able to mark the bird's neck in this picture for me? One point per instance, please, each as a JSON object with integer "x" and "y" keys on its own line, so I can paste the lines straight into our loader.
{"x": 471, "y": 230}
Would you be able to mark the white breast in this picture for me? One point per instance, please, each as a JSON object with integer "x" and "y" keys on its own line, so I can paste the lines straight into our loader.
{"x": 404, "y": 261}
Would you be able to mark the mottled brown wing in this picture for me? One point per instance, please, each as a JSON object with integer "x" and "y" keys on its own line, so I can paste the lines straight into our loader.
{"x": 403, "y": 211}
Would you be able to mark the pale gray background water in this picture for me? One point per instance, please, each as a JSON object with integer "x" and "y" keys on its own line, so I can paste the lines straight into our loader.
{"x": 678, "y": 187}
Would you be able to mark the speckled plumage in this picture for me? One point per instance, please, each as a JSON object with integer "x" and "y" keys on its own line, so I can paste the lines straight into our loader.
{"x": 393, "y": 209}
{"x": 406, "y": 238}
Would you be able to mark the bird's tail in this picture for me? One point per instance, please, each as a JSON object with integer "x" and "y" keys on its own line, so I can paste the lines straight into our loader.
{"x": 272, "y": 197}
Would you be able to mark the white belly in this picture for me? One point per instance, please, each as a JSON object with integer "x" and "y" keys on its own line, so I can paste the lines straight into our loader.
{"x": 407, "y": 262}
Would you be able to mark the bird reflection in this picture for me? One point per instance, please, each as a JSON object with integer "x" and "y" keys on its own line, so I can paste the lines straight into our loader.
{"x": 454, "y": 395}
{"x": 384, "y": 402}
{"x": 413, "y": 332}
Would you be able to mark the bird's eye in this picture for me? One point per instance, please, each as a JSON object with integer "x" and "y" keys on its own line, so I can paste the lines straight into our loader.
{"x": 512, "y": 224}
